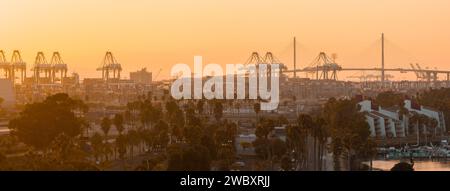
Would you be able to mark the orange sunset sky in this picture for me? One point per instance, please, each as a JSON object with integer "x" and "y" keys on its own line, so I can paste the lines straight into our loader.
{"x": 160, "y": 33}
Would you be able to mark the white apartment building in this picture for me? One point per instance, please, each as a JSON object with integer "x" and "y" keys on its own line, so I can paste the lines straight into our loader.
{"x": 386, "y": 123}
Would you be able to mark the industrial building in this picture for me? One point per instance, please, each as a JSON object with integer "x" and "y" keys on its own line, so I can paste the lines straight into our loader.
{"x": 7, "y": 93}
{"x": 141, "y": 77}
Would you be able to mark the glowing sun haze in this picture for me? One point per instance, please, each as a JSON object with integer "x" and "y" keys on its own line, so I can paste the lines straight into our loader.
{"x": 160, "y": 33}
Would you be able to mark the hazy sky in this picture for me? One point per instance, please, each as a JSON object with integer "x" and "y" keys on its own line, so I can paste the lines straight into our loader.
{"x": 160, "y": 33}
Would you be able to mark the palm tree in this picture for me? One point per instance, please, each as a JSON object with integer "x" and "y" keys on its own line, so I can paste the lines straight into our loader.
{"x": 97, "y": 145}
{"x": 127, "y": 117}
{"x": 155, "y": 115}
{"x": 297, "y": 137}
{"x": 264, "y": 127}
{"x": 121, "y": 146}
{"x": 218, "y": 110}
{"x": 148, "y": 113}
{"x": 320, "y": 136}
{"x": 133, "y": 140}
{"x": 131, "y": 112}
{"x": 106, "y": 126}
{"x": 141, "y": 137}
{"x": 294, "y": 135}
{"x": 118, "y": 123}
{"x": 415, "y": 119}
{"x": 257, "y": 109}
{"x": 305, "y": 124}
{"x": 200, "y": 106}
{"x": 348, "y": 130}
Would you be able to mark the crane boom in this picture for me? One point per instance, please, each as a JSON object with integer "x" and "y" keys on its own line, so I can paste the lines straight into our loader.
{"x": 157, "y": 75}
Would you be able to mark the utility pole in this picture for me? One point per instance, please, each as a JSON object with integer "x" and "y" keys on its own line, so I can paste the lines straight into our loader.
{"x": 382, "y": 61}
{"x": 295, "y": 58}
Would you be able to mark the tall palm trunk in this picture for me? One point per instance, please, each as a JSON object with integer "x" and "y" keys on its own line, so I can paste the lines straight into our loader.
{"x": 315, "y": 154}
{"x": 319, "y": 156}
{"x": 337, "y": 162}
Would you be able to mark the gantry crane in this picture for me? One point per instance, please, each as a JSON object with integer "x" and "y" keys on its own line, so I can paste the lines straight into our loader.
{"x": 42, "y": 66}
{"x": 324, "y": 67}
{"x": 110, "y": 65}
{"x": 5, "y": 66}
{"x": 58, "y": 67}
{"x": 18, "y": 65}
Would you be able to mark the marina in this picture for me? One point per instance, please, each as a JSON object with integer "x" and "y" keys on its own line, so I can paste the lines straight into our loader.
{"x": 431, "y": 151}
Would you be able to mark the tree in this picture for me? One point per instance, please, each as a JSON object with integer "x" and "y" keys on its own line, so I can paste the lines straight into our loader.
{"x": 149, "y": 138}
{"x": 148, "y": 113}
{"x": 189, "y": 158}
{"x": 262, "y": 147}
{"x": 175, "y": 158}
{"x": 155, "y": 114}
{"x": 193, "y": 134}
{"x": 264, "y": 127}
{"x": 118, "y": 123}
{"x": 65, "y": 150}
{"x": 368, "y": 152}
{"x": 210, "y": 144}
{"x": 297, "y": 138}
{"x": 286, "y": 164}
{"x": 106, "y": 126}
{"x": 196, "y": 158}
{"x": 133, "y": 140}
{"x": 97, "y": 145}
{"x": 200, "y": 106}
{"x": 218, "y": 110}
{"x": 171, "y": 107}
{"x": 177, "y": 133}
{"x": 348, "y": 129}
{"x": 225, "y": 155}
{"x": 320, "y": 134}
{"x": 278, "y": 148}
{"x": 438, "y": 99}
{"x": 305, "y": 123}
{"x": 282, "y": 120}
{"x": 390, "y": 99}
{"x": 41, "y": 122}
{"x": 257, "y": 109}
{"x": 161, "y": 126}
{"x": 162, "y": 139}
{"x": 121, "y": 146}
{"x": 131, "y": 114}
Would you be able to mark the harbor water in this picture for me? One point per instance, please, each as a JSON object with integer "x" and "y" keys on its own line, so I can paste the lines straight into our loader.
{"x": 419, "y": 165}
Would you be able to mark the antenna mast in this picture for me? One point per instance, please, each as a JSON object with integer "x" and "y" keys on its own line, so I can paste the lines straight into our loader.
{"x": 382, "y": 60}
{"x": 295, "y": 58}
